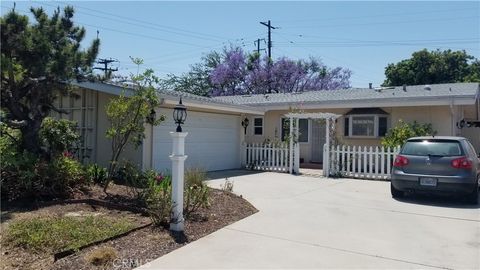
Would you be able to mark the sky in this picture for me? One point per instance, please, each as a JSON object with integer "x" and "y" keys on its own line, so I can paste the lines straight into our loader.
{"x": 362, "y": 36}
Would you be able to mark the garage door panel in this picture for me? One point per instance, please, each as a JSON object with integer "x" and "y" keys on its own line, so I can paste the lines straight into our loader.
{"x": 212, "y": 143}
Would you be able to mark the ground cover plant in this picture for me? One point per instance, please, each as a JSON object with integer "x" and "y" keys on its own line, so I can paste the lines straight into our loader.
{"x": 55, "y": 234}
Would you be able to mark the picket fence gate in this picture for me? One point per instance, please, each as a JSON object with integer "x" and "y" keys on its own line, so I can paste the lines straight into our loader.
{"x": 362, "y": 161}
{"x": 266, "y": 157}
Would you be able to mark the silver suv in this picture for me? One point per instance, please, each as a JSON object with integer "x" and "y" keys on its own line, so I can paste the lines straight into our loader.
{"x": 437, "y": 165}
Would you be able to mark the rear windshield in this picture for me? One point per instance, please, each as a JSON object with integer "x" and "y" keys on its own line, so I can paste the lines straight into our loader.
{"x": 432, "y": 148}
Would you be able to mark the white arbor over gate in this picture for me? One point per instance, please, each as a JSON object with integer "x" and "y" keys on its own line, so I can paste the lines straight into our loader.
{"x": 294, "y": 129}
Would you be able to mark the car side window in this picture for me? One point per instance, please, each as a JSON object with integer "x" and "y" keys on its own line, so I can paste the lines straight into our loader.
{"x": 471, "y": 149}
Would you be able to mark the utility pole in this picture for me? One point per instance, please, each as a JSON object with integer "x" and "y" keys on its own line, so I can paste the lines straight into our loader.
{"x": 270, "y": 27}
{"x": 257, "y": 42}
{"x": 105, "y": 62}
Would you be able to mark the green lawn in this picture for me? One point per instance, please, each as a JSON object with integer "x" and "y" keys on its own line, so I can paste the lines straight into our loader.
{"x": 54, "y": 234}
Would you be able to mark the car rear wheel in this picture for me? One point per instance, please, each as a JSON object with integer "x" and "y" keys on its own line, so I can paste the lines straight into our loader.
{"x": 395, "y": 192}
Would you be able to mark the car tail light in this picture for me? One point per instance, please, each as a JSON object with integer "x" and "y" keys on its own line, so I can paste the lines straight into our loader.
{"x": 462, "y": 163}
{"x": 400, "y": 161}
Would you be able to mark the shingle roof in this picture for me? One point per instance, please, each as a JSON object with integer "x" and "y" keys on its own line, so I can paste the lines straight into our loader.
{"x": 117, "y": 89}
{"x": 358, "y": 94}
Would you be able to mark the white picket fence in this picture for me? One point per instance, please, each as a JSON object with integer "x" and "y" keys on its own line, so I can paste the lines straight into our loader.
{"x": 362, "y": 161}
{"x": 266, "y": 157}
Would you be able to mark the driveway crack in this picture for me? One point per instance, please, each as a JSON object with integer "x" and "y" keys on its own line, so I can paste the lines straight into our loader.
{"x": 339, "y": 249}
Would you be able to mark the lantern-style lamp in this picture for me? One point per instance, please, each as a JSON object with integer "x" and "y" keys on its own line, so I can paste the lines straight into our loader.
{"x": 151, "y": 117}
{"x": 179, "y": 115}
{"x": 245, "y": 124}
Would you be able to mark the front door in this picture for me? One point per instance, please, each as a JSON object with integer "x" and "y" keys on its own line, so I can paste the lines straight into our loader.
{"x": 318, "y": 140}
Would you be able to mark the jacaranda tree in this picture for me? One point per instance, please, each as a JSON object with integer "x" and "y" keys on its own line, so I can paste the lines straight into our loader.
{"x": 234, "y": 72}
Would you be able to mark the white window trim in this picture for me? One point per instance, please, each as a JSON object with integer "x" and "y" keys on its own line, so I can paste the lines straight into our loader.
{"x": 375, "y": 125}
{"x": 263, "y": 126}
{"x": 309, "y": 129}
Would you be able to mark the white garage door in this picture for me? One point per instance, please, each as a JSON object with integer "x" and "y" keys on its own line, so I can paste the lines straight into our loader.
{"x": 212, "y": 143}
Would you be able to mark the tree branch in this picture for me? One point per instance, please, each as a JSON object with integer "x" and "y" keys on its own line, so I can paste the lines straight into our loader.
{"x": 15, "y": 124}
{"x": 55, "y": 109}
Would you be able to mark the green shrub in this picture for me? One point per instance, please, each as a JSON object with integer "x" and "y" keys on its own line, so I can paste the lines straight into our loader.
{"x": 96, "y": 174}
{"x": 158, "y": 197}
{"x": 59, "y": 136}
{"x": 65, "y": 174}
{"x": 24, "y": 174}
{"x": 133, "y": 178}
{"x": 398, "y": 135}
{"x": 196, "y": 192}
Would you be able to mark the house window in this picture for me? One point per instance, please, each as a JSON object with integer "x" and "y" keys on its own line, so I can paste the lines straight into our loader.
{"x": 365, "y": 122}
{"x": 363, "y": 126}
{"x": 303, "y": 129}
{"x": 258, "y": 126}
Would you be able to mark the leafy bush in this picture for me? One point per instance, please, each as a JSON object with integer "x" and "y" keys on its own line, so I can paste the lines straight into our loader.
{"x": 96, "y": 174}
{"x": 134, "y": 178}
{"x": 196, "y": 192}
{"x": 65, "y": 174}
{"x": 59, "y": 136}
{"x": 158, "y": 197}
{"x": 398, "y": 135}
{"x": 24, "y": 174}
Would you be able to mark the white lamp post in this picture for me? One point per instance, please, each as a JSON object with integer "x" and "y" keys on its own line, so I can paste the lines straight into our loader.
{"x": 178, "y": 158}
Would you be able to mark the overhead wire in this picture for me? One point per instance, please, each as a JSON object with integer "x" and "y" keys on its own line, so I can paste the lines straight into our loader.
{"x": 363, "y": 78}
{"x": 375, "y": 15}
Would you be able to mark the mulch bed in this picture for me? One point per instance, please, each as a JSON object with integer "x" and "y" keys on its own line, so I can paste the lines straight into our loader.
{"x": 134, "y": 249}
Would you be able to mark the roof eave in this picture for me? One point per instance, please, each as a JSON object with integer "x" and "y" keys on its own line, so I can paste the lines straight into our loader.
{"x": 367, "y": 103}
{"x": 173, "y": 99}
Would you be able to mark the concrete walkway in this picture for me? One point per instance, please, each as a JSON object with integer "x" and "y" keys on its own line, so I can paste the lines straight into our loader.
{"x": 318, "y": 223}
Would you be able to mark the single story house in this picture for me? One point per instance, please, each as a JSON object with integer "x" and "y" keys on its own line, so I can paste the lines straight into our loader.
{"x": 215, "y": 124}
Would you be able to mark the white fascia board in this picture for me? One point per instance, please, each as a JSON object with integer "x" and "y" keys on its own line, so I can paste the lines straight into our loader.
{"x": 172, "y": 100}
{"x": 104, "y": 88}
{"x": 214, "y": 106}
{"x": 406, "y": 102}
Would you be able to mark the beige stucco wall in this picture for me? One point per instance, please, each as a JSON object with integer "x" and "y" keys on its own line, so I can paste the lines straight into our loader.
{"x": 439, "y": 116}
{"x": 104, "y": 145}
{"x": 473, "y": 134}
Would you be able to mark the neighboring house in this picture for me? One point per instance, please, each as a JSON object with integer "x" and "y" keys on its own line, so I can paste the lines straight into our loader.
{"x": 216, "y": 134}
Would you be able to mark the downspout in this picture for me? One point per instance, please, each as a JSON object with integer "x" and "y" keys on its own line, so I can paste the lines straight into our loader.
{"x": 452, "y": 114}
{"x": 477, "y": 101}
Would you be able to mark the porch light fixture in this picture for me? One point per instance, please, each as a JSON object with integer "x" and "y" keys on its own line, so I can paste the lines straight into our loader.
{"x": 151, "y": 117}
{"x": 179, "y": 115}
{"x": 245, "y": 124}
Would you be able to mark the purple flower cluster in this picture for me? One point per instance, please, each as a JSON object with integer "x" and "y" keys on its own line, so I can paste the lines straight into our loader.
{"x": 239, "y": 74}
{"x": 159, "y": 178}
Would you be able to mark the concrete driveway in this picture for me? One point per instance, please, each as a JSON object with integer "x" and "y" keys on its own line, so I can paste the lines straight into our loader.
{"x": 306, "y": 222}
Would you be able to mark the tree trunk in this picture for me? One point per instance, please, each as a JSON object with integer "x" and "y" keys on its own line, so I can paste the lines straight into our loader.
{"x": 30, "y": 137}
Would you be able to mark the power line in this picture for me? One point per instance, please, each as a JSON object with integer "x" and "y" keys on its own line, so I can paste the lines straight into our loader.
{"x": 380, "y": 41}
{"x": 145, "y": 22}
{"x": 149, "y": 26}
{"x": 385, "y": 22}
{"x": 376, "y": 15}
{"x": 366, "y": 78}
{"x": 126, "y": 32}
